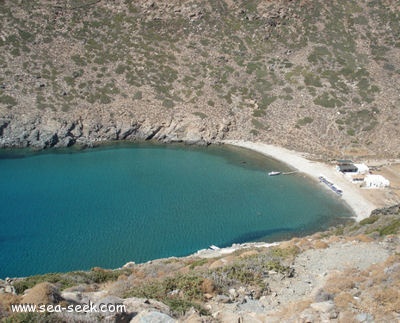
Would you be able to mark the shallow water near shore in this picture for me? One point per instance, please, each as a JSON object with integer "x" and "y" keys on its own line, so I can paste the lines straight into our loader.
{"x": 74, "y": 210}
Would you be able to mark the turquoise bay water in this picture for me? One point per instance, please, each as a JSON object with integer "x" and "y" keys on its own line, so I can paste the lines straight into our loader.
{"x": 70, "y": 210}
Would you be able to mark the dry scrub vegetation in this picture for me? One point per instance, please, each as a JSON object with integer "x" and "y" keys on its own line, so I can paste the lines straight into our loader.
{"x": 375, "y": 290}
{"x": 317, "y": 76}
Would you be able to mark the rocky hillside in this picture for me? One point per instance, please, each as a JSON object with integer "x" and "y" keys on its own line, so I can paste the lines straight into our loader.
{"x": 347, "y": 274}
{"x": 311, "y": 75}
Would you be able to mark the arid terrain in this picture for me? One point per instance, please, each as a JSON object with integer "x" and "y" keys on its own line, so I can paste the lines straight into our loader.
{"x": 315, "y": 76}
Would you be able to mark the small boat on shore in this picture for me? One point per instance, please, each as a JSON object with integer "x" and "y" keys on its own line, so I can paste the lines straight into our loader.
{"x": 213, "y": 247}
{"x": 274, "y": 173}
{"x": 330, "y": 184}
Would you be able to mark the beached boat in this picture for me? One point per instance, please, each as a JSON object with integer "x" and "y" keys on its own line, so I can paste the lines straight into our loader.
{"x": 332, "y": 186}
{"x": 213, "y": 247}
{"x": 274, "y": 173}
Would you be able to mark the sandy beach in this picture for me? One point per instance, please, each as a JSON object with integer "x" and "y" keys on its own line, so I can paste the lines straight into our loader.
{"x": 352, "y": 194}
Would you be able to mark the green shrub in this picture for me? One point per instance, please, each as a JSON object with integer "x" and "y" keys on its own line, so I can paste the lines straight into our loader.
{"x": 259, "y": 125}
{"x": 371, "y": 126}
{"x": 180, "y": 306}
{"x": 252, "y": 67}
{"x": 120, "y": 69}
{"x": 311, "y": 79}
{"x": 259, "y": 113}
{"x": 392, "y": 228}
{"x": 104, "y": 98}
{"x": 304, "y": 121}
{"x": 101, "y": 275}
{"x": 65, "y": 107}
{"x": 284, "y": 253}
{"x": 77, "y": 73}
{"x": 198, "y": 262}
{"x": 79, "y": 60}
{"x": 31, "y": 318}
{"x": 26, "y": 35}
{"x": 26, "y": 283}
{"x": 351, "y": 132}
{"x": 15, "y": 52}
{"x": 288, "y": 90}
{"x": 286, "y": 97}
{"x": 338, "y": 231}
{"x": 252, "y": 270}
{"x": 69, "y": 80}
{"x": 318, "y": 54}
{"x": 328, "y": 101}
{"x": 189, "y": 287}
{"x": 138, "y": 95}
{"x": 389, "y": 67}
{"x": 69, "y": 279}
{"x": 200, "y": 114}
{"x": 8, "y": 100}
{"x": 169, "y": 104}
{"x": 369, "y": 220}
{"x": 266, "y": 101}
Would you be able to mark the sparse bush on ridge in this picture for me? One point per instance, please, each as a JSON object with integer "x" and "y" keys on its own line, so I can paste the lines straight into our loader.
{"x": 371, "y": 219}
{"x": 198, "y": 263}
{"x": 392, "y": 228}
{"x": 304, "y": 121}
{"x": 65, "y": 280}
{"x": 8, "y": 100}
{"x": 180, "y": 292}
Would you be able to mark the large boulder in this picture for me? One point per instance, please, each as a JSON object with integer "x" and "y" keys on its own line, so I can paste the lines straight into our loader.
{"x": 149, "y": 316}
{"x": 42, "y": 293}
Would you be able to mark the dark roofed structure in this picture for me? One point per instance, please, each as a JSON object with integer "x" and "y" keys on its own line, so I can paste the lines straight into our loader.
{"x": 346, "y": 166}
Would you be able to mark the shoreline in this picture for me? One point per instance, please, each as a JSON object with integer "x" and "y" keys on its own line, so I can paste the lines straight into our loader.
{"x": 352, "y": 196}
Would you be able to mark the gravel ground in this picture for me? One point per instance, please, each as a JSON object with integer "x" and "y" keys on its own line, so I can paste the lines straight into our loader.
{"x": 311, "y": 271}
{"x": 312, "y": 266}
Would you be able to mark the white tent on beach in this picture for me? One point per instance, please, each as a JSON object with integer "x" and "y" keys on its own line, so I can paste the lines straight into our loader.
{"x": 376, "y": 181}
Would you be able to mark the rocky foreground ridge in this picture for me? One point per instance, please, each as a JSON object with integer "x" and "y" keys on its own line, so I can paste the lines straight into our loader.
{"x": 347, "y": 274}
{"x": 314, "y": 76}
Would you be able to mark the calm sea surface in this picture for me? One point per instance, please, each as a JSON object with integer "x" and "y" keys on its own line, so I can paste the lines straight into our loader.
{"x": 74, "y": 210}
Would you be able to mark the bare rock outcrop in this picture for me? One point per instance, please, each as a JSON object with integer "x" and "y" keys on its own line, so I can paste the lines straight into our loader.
{"x": 53, "y": 131}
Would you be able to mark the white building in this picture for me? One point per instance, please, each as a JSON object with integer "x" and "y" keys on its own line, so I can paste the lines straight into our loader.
{"x": 376, "y": 181}
{"x": 362, "y": 168}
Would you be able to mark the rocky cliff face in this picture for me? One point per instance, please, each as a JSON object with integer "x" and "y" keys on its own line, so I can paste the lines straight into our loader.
{"x": 52, "y": 130}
